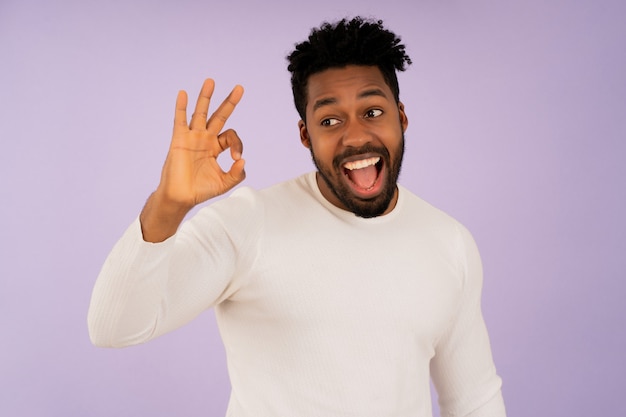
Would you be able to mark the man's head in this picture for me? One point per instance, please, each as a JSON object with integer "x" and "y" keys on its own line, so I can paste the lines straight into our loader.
{"x": 346, "y": 91}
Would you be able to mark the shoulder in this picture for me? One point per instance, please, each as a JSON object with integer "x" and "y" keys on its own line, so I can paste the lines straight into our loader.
{"x": 247, "y": 206}
{"x": 441, "y": 228}
{"x": 293, "y": 189}
{"x": 418, "y": 210}
{"x": 297, "y": 195}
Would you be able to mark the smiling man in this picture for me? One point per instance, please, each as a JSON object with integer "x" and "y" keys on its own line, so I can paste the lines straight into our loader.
{"x": 355, "y": 131}
{"x": 338, "y": 293}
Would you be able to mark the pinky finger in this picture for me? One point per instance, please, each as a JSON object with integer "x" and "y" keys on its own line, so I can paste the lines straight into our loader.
{"x": 180, "y": 114}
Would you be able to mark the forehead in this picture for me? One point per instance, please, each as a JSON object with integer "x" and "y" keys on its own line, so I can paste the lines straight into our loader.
{"x": 346, "y": 81}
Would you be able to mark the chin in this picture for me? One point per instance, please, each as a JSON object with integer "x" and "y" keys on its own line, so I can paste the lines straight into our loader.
{"x": 368, "y": 208}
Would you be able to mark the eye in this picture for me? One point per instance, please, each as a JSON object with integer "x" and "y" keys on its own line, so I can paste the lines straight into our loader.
{"x": 373, "y": 113}
{"x": 329, "y": 122}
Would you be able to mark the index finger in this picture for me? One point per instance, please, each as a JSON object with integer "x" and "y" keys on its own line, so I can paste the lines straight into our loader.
{"x": 218, "y": 119}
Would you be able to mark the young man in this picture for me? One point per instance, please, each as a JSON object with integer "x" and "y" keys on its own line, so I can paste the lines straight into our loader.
{"x": 338, "y": 293}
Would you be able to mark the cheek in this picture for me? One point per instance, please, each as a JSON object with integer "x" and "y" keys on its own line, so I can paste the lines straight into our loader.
{"x": 321, "y": 145}
{"x": 323, "y": 153}
{"x": 394, "y": 136}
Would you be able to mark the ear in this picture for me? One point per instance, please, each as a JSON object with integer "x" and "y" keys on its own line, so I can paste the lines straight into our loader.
{"x": 404, "y": 121}
{"x": 304, "y": 135}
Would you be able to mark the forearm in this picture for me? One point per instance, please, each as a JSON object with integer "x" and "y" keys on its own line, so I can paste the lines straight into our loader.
{"x": 128, "y": 291}
{"x": 147, "y": 289}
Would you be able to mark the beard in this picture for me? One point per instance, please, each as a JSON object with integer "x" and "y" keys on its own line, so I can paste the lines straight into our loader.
{"x": 363, "y": 207}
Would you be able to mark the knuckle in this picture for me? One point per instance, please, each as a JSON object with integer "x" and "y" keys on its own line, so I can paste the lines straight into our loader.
{"x": 219, "y": 118}
{"x": 199, "y": 114}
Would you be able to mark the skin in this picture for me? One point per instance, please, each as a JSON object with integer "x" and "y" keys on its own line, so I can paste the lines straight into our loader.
{"x": 191, "y": 174}
{"x": 351, "y": 114}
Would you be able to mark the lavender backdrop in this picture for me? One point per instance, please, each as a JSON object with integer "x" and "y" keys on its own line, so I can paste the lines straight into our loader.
{"x": 517, "y": 127}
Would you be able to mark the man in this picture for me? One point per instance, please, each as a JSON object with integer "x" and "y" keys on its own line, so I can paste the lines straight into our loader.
{"x": 338, "y": 293}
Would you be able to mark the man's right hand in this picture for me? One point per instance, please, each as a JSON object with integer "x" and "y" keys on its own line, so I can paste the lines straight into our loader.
{"x": 191, "y": 174}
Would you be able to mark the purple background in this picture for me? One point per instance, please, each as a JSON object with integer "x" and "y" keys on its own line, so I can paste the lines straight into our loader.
{"x": 517, "y": 127}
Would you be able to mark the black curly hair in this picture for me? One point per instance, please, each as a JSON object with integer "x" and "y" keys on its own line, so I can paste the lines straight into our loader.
{"x": 348, "y": 42}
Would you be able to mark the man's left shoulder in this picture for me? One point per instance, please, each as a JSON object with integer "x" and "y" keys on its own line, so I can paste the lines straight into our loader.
{"x": 423, "y": 211}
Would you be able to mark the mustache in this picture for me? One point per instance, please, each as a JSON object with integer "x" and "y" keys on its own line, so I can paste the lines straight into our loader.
{"x": 367, "y": 148}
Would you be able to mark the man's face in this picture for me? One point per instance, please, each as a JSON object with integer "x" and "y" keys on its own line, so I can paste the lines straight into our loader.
{"x": 355, "y": 132}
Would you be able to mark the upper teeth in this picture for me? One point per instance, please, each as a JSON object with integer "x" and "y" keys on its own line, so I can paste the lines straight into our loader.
{"x": 361, "y": 163}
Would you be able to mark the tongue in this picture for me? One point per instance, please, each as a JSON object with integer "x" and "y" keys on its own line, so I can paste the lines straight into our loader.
{"x": 364, "y": 177}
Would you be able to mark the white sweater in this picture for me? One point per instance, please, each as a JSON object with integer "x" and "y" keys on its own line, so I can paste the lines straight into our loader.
{"x": 322, "y": 313}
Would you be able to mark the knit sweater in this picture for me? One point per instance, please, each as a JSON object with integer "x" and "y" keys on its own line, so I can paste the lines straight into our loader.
{"x": 322, "y": 313}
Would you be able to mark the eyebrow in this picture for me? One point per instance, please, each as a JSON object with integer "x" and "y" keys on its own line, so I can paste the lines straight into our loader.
{"x": 364, "y": 94}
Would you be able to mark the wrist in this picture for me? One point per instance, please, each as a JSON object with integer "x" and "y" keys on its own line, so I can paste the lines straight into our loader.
{"x": 166, "y": 207}
{"x": 161, "y": 217}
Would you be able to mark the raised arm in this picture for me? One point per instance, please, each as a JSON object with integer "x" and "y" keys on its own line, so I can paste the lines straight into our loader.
{"x": 191, "y": 174}
{"x": 146, "y": 289}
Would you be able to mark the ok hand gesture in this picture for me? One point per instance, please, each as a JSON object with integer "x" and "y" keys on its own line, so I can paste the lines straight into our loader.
{"x": 191, "y": 174}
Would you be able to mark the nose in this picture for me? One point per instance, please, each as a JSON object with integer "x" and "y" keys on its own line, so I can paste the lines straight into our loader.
{"x": 355, "y": 134}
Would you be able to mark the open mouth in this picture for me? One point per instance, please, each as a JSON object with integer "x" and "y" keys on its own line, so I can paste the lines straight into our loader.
{"x": 363, "y": 175}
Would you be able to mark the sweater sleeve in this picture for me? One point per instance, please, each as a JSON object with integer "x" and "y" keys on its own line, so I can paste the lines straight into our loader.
{"x": 462, "y": 370}
{"x": 147, "y": 289}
